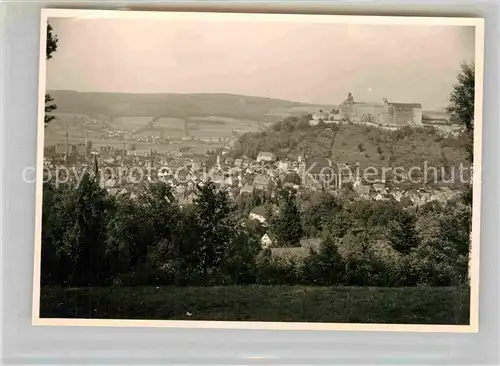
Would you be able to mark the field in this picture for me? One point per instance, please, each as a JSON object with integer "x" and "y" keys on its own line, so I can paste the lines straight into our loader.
{"x": 93, "y": 115}
{"x": 415, "y": 305}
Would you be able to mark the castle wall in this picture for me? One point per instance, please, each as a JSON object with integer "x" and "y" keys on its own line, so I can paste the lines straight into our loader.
{"x": 402, "y": 116}
{"x": 392, "y": 114}
{"x": 407, "y": 115}
{"x": 367, "y": 112}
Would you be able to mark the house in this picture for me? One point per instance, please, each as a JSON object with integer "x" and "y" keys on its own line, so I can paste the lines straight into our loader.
{"x": 217, "y": 177}
{"x": 283, "y": 166}
{"x": 262, "y": 182}
{"x": 60, "y": 149}
{"x": 266, "y": 157}
{"x": 189, "y": 199}
{"x": 138, "y": 153}
{"x": 108, "y": 161}
{"x": 361, "y": 189}
{"x": 317, "y": 117}
{"x": 110, "y": 183}
{"x": 397, "y": 196}
{"x": 318, "y": 173}
{"x": 196, "y": 165}
{"x": 377, "y": 187}
{"x": 267, "y": 240}
{"x": 425, "y": 197}
{"x": 81, "y": 149}
{"x": 311, "y": 243}
{"x": 230, "y": 180}
{"x": 259, "y": 213}
{"x": 290, "y": 254}
{"x": 185, "y": 151}
{"x": 247, "y": 189}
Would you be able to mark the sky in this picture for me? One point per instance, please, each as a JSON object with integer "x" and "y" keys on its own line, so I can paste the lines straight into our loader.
{"x": 314, "y": 63}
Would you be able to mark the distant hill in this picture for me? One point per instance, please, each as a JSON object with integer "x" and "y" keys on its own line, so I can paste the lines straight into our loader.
{"x": 115, "y": 105}
{"x": 356, "y": 144}
{"x": 97, "y": 115}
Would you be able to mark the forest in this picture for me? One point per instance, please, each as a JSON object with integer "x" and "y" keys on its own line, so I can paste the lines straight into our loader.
{"x": 90, "y": 238}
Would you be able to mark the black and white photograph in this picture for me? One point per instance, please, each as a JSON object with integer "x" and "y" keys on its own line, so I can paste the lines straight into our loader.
{"x": 258, "y": 171}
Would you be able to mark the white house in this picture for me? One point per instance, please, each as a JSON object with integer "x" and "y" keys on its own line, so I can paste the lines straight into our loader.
{"x": 283, "y": 166}
{"x": 259, "y": 213}
{"x": 266, "y": 241}
{"x": 267, "y": 157}
{"x": 397, "y": 196}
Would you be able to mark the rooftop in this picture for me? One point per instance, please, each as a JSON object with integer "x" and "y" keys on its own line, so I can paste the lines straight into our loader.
{"x": 259, "y": 210}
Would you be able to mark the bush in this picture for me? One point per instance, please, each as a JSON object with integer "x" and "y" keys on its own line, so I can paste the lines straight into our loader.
{"x": 325, "y": 267}
{"x": 277, "y": 271}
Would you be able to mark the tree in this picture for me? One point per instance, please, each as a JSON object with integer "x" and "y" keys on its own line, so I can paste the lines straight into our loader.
{"x": 49, "y": 107}
{"x": 401, "y": 232}
{"x": 287, "y": 226}
{"x": 362, "y": 267}
{"x": 241, "y": 258}
{"x": 325, "y": 267}
{"x": 51, "y": 47}
{"x": 83, "y": 213}
{"x": 442, "y": 255}
{"x": 292, "y": 178}
{"x": 318, "y": 215}
{"x": 461, "y": 104}
{"x": 51, "y": 42}
{"x": 128, "y": 237}
{"x": 214, "y": 217}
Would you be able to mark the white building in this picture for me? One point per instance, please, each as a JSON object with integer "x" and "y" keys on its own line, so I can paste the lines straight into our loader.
{"x": 266, "y": 241}
{"x": 267, "y": 157}
{"x": 259, "y": 213}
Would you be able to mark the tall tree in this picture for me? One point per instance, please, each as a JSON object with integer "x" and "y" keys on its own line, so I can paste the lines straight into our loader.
{"x": 401, "y": 232}
{"x": 216, "y": 226}
{"x": 84, "y": 212}
{"x": 461, "y": 104}
{"x": 325, "y": 267}
{"x": 51, "y": 47}
{"x": 287, "y": 226}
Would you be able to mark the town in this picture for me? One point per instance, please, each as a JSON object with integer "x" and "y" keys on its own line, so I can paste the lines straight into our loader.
{"x": 127, "y": 172}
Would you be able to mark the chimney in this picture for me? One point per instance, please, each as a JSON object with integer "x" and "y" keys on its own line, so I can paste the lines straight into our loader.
{"x": 66, "y": 149}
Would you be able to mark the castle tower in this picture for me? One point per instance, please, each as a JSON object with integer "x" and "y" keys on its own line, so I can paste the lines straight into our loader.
{"x": 350, "y": 98}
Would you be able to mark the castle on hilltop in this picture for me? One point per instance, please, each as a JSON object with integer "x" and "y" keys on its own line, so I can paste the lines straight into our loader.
{"x": 385, "y": 113}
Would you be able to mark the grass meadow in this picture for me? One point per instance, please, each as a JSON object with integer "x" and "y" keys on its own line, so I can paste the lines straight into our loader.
{"x": 403, "y": 305}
